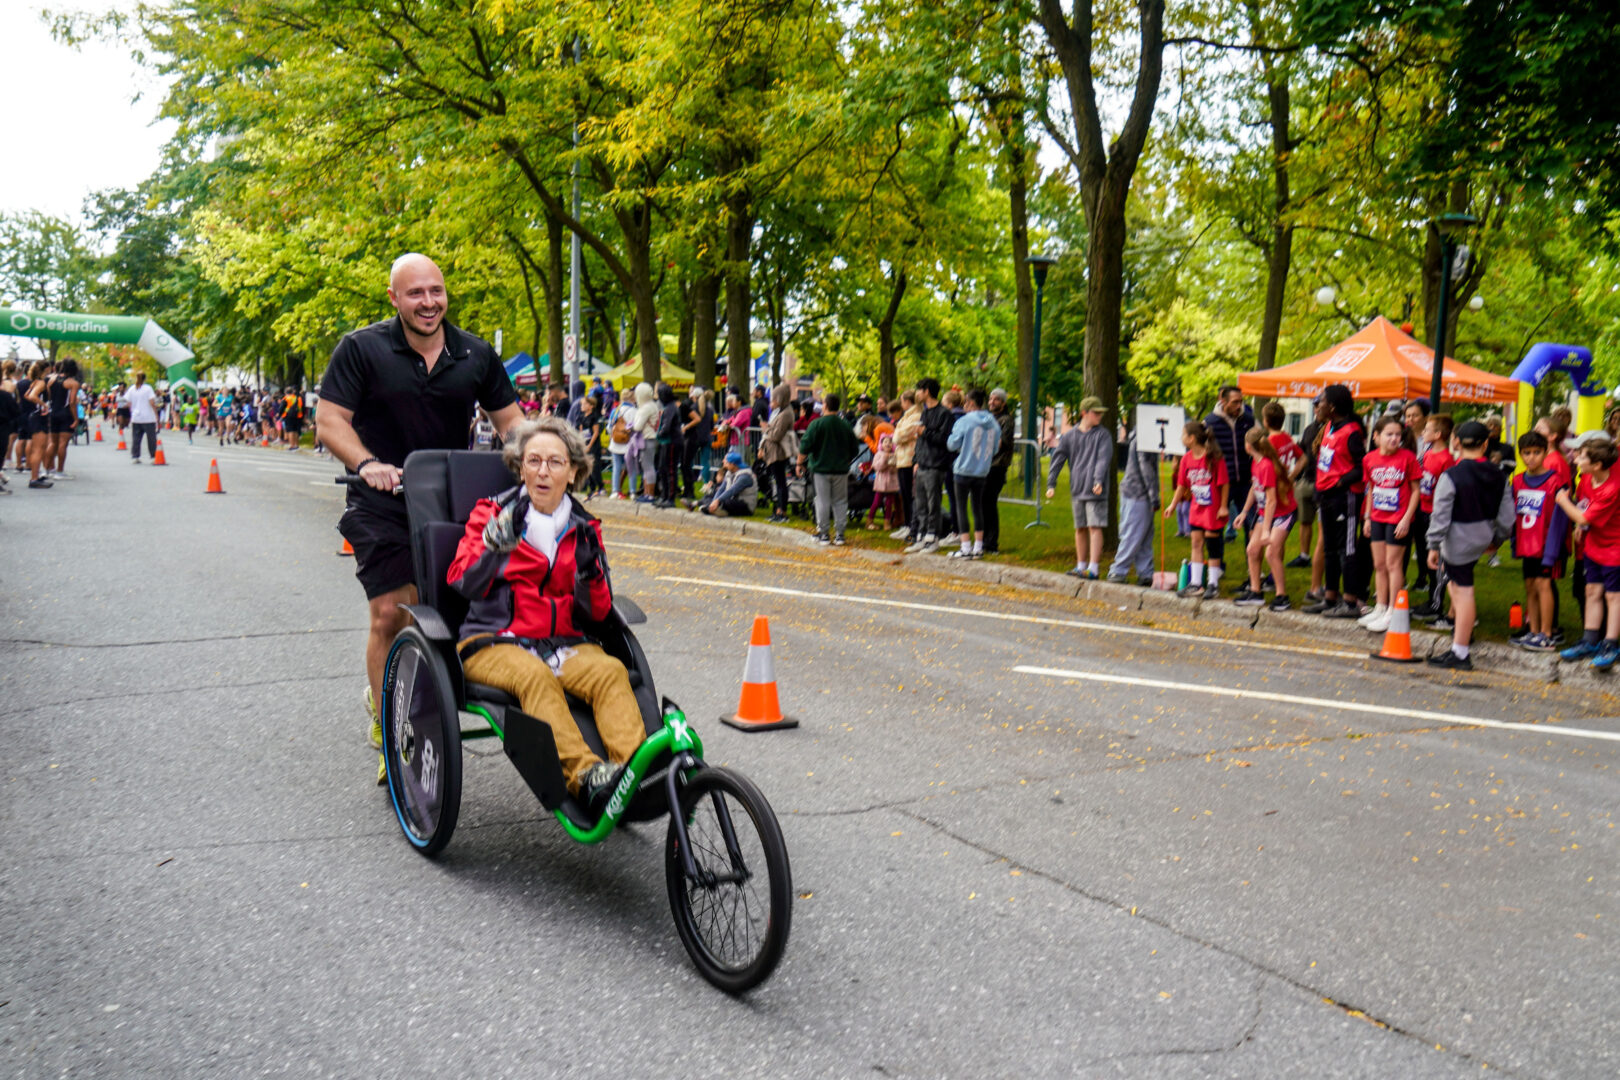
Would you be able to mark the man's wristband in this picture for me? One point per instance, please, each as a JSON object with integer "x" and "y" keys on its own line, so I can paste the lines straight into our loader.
{"x": 358, "y": 469}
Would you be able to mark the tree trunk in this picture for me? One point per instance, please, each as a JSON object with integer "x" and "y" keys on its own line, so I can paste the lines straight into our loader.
{"x": 636, "y": 224}
{"x": 1281, "y": 253}
{"x": 888, "y": 364}
{"x": 683, "y": 343}
{"x": 705, "y": 290}
{"x": 739, "y": 299}
{"x": 553, "y": 280}
{"x": 1017, "y": 199}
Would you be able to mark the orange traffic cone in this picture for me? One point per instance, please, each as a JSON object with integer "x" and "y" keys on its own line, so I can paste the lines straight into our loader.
{"x": 1398, "y": 638}
{"x": 98, "y": 434}
{"x": 758, "y": 708}
{"x": 158, "y": 458}
{"x": 347, "y": 548}
{"x": 120, "y": 445}
{"x": 214, "y": 487}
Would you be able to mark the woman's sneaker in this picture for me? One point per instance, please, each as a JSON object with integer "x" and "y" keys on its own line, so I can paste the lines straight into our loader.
{"x": 1607, "y": 654}
{"x": 900, "y": 534}
{"x": 1247, "y": 597}
{"x": 1373, "y": 616}
{"x": 1380, "y": 623}
{"x": 1279, "y": 603}
{"x": 1537, "y": 643}
{"x": 1188, "y": 593}
{"x": 1451, "y": 661}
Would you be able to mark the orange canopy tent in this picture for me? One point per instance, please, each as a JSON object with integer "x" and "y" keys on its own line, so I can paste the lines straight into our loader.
{"x": 1379, "y": 362}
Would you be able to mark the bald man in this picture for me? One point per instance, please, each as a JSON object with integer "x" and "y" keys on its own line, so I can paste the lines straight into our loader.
{"x": 403, "y": 384}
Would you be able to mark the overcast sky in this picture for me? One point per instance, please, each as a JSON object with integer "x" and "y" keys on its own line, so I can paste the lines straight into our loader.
{"x": 76, "y": 124}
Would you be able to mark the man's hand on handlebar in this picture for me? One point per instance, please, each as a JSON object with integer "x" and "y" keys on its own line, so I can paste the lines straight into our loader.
{"x": 382, "y": 476}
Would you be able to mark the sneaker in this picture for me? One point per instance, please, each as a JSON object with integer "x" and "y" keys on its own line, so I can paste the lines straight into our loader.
{"x": 1537, "y": 643}
{"x": 1315, "y": 596}
{"x": 645, "y": 499}
{"x": 1372, "y": 616}
{"x": 1519, "y": 638}
{"x": 136, "y": 461}
{"x": 1121, "y": 580}
{"x": 382, "y": 770}
{"x": 1298, "y": 562}
{"x": 916, "y": 547}
{"x": 778, "y": 519}
{"x": 1426, "y": 614}
{"x": 823, "y": 538}
{"x": 1581, "y": 650}
{"x": 900, "y": 534}
{"x": 1556, "y": 639}
{"x": 1279, "y": 603}
{"x": 1247, "y": 597}
{"x": 1317, "y": 607}
{"x": 975, "y": 555}
{"x": 61, "y": 476}
{"x": 1267, "y": 584}
{"x": 1342, "y": 610}
{"x": 1442, "y": 625}
{"x": 1381, "y": 623}
{"x": 374, "y": 732}
{"x": 950, "y": 538}
{"x": 596, "y": 785}
{"x": 1190, "y": 592}
{"x": 1452, "y": 661}
{"x": 39, "y": 484}
{"x": 1212, "y": 591}
{"x": 838, "y": 541}
{"x": 1078, "y": 571}
{"x": 1496, "y": 561}
{"x": 929, "y": 547}
{"x": 1092, "y": 575}
{"x": 961, "y": 553}
{"x": 1606, "y": 656}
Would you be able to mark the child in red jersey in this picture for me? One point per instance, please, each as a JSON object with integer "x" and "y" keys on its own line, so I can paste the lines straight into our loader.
{"x": 1391, "y": 474}
{"x": 1272, "y": 498}
{"x": 1595, "y": 510}
{"x": 1535, "y": 491}
{"x": 1201, "y": 482}
{"x": 1436, "y": 460}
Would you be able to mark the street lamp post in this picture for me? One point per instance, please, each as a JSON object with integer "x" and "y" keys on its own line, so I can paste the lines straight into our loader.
{"x": 589, "y": 314}
{"x": 1039, "y": 265}
{"x": 1449, "y": 225}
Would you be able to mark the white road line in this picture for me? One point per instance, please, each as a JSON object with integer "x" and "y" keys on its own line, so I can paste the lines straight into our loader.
{"x": 1078, "y": 624}
{"x": 704, "y": 554}
{"x": 293, "y": 470}
{"x": 1322, "y": 703}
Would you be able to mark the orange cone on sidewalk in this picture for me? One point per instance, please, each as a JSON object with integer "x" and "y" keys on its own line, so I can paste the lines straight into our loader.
{"x": 347, "y": 548}
{"x": 758, "y": 708}
{"x": 158, "y": 458}
{"x": 98, "y": 434}
{"x": 214, "y": 487}
{"x": 120, "y": 445}
{"x": 1398, "y": 638}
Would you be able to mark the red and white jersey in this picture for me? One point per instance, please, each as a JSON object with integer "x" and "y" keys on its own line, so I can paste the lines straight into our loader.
{"x": 1389, "y": 480}
{"x": 1600, "y": 503}
{"x": 1533, "y": 500}
{"x": 1435, "y": 462}
{"x": 1203, "y": 477}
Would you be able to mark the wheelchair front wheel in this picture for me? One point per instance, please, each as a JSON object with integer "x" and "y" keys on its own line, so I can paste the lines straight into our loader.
{"x": 733, "y": 918}
{"x": 421, "y": 742}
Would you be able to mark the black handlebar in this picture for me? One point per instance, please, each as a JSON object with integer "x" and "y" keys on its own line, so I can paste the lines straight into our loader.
{"x": 355, "y": 480}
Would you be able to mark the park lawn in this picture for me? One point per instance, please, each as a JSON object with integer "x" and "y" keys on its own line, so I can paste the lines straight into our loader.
{"x": 1050, "y": 546}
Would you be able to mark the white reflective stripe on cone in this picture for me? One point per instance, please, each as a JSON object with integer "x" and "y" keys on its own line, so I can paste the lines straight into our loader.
{"x": 758, "y": 667}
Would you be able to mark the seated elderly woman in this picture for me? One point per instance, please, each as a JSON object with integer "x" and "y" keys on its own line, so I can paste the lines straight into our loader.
{"x": 531, "y": 564}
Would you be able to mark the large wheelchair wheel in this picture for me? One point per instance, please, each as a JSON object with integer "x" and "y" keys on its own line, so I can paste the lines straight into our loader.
{"x": 421, "y": 742}
{"x": 733, "y": 919}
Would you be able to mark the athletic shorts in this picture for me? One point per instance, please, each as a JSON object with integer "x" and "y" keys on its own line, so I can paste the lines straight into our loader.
{"x": 1598, "y": 574}
{"x": 1283, "y": 522}
{"x": 1463, "y": 574}
{"x": 293, "y": 427}
{"x": 1535, "y": 568}
{"x": 1383, "y": 532}
{"x": 123, "y": 418}
{"x": 1089, "y": 513}
{"x": 62, "y": 423}
{"x": 382, "y": 549}
{"x": 1305, "y": 496}
{"x": 1214, "y": 544}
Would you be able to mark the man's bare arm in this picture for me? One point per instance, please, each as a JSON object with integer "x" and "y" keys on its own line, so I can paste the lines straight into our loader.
{"x": 334, "y": 426}
{"x": 504, "y": 418}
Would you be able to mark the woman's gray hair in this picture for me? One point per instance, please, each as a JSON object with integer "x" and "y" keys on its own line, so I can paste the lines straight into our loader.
{"x": 525, "y": 430}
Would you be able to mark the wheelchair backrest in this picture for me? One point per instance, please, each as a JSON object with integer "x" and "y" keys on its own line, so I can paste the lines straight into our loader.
{"x": 441, "y": 489}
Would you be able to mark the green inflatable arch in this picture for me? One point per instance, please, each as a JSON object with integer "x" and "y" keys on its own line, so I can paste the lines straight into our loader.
{"x": 105, "y": 329}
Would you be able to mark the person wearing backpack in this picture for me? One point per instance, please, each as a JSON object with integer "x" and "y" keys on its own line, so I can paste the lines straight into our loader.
{"x": 620, "y": 427}
{"x": 292, "y": 417}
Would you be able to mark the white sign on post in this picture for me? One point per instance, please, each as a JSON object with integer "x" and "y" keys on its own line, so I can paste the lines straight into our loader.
{"x": 1158, "y": 429}
{"x": 570, "y": 348}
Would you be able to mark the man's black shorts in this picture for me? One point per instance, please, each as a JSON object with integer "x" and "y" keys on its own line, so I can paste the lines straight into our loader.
{"x": 382, "y": 549}
{"x": 293, "y": 427}
{"x": 1461, "y": 573}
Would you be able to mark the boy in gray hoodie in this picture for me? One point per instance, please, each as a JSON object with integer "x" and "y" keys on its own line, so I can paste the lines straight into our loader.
{"x": 1139, "y": 502}
{"x": 975, "y": 438}
{"x": 1088, "y": 449}
{"x": 1473, "y": 513}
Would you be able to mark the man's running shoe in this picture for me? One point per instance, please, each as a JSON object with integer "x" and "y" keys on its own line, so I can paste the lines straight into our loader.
{"x": 382, "y": 771}
{"x": 596, "y": 785}
{"x": 375, "y": 730}
{"x": 1279, "y": 603}
{"x": 838, "y": 541}
{"x": 1580, "y": 650}
{"x": 1607, "y": 654}
{"x": 823, "y": 538}
{"x": 1451, "y": 661}
{"x": 1519, "y": 637}
{"x": 1314, "y": 596}
{"x": 1317, "y": 607}
{"x": 1190, "y": 592}
{"x": 39, "y": 484}
{"x": 1298, "y": 562}
{"x": 1247, "y": 597}
{"x": 1343, "y": 610}
{"x": 61, "y": 476}
{"x": 899, "y": 534}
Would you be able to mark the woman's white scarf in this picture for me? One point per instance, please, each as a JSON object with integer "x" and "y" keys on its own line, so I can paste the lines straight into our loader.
{"x": 544, "y": 530}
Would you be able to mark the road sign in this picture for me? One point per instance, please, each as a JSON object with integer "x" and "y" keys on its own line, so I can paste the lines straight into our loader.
{"x": 570, "y": 348}
{"x": 1158, "y": 429}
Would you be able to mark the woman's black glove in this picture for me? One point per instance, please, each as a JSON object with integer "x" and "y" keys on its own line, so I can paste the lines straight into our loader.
{"x": 501, "y": 532}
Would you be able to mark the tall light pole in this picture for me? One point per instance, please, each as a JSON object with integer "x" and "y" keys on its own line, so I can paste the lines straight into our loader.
{"x": 1450, "y": 225}
{"x": 1039, "y": 265}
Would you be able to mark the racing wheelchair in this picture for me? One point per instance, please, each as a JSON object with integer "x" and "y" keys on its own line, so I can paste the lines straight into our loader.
{"x": 725, "y": 863}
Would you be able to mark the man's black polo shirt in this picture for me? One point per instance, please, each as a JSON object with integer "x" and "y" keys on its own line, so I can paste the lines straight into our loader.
{"x": 399, "y": 406}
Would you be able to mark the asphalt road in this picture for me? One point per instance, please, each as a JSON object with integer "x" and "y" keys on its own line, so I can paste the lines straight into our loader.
{"x": 999, "y": 872}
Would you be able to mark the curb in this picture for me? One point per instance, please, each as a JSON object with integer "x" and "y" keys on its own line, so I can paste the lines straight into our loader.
{"x": 1492, "y": 657}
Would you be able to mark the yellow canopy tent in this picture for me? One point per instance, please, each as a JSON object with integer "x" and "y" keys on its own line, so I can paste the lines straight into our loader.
{"x": 626, "y": 375}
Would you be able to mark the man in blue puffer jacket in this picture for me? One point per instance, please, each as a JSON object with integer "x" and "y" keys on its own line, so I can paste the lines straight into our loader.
{"x": 975, "y": 438}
